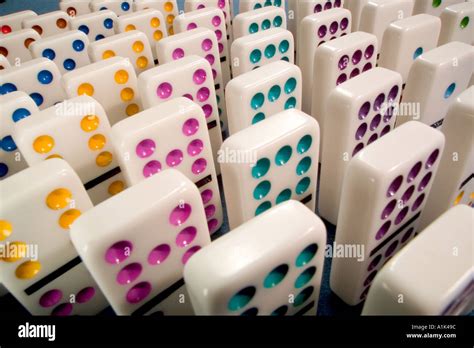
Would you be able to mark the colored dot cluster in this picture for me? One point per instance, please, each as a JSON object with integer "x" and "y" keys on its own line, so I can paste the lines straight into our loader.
{"x": 265, "y": 24}
{"x": 216, "y": 22}
{"x": 126, "y": 94}
{"x": 124, "y": 6}
{"x": 359, "y": 58}
{"x": 221, "y": 4}
{"x": 141, "y": 61}
{"x": 375, "y": 119}
{"x": 154, "y": 23}
{"x": 328, "y": 32}
{"x": 304, "y": 264}
{"x": 270, "y": 51}
{"x": 95, "y": 32}
{"x": 68, "y": 63}
{"x": 61, "y": 24}
{"x": 168, "y": 8}
{"x": 26, "y": 43}
{"x": 266, "y": 3}
{"x": 327, "y": 6}
{"x": 260, "y": 170}
{"x": 264, "y": 104}
{"x": 52, "y": 298}
{"x": 130, "y": 272}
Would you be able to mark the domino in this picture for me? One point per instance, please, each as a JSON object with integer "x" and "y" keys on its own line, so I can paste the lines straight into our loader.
{"x": 190, "y": 77}
{"x": 212, "y": 19}
{"x": 133, "y": 45}
{"x": 262, "y": 93}
{"x": 454, "y": 183}
{"x": 407, "y": 39}
{"x": 112, "y": 82}
{"x": 67, "y": 50}
{"x": 434, "y": 8}
{"x": 447, "y": 71}
{"x": 97, "y": 25}
{"x": 203, "y": 43}
{"x": 75, "y": 7}
{"x": 279, "y": 275}
{"x": 151, "y": 22}
{"x": 171, "y": 135}
{"x": 378, "y": 14}
{"x": 383, "y": 194}
{"x": 249, "y": 5}
{"x": 337, "y": 61}
{"x": 136, "y": 267}
{"x": 15, "y": 46}
{"x": 457, "y": 23}
{"x": 48, "y": 24}
{"x": 252, "y": 22}
{"x": 119, "y": 7}
{"x": 12, "y": 22}
{"x": 269, "y": 163}
{"x": 252, "y": 51}
{"x": 40, "y": 78}
{"x": 4, "y": 64}
{"x": 15, "y": 107}
{"x": 223, "y": 5}
{"x": 356, "y": 7}
{"x": 169, "y": 9}
{"x": 315, "y": 30}
{"x": 358, "y": 113}
{"x": 40, "y": 267}
{"x": 434, "y": 257}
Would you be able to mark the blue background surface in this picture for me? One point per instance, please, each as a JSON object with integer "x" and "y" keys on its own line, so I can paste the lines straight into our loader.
{"x": 329, "y": 303}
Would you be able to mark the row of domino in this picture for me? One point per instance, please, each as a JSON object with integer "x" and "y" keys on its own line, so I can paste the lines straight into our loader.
{"x": 281, "y": 158}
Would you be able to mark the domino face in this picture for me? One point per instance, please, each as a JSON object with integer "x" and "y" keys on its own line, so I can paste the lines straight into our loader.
{"x": 359, "y": 112}
{"x": 356, "y": 8}
{"x": 133, "y": 45}
{"x": 253, "y": 51}
{"x": 393, "y": 177}
{"x": 151, "y": 22}
{"x": 427, "y": 259}
{"x": 67, "y": 50}
{"x": 15, "y": 107}
{"x": 48, "y": 24}
{"x": 458, "y": 23}
{"x": 47, "y": 274}
{"x": 12, "y": 22}
{"x": 171, "y": 135}
{"x": 40, "y": 78}
{"x": 112, "y": 82}
{"x": 315, "y": 30}
{"x": 269, "y": 163}
{"x": 280, "y": 275}
{"x": 4, "y": 64}
{"x": 407, "y": 39}
{"x": 15, "y": 46}
{"x": 203, "y": 43}
{"x": 223, "y": 5}
{"x": 434, "y": 8}
{"x": 212, "y": 19}
{"x": 75, "y": 7}
{"x": 262, "y": 93}
{"x": 447, "y": 71}
{"x": 169, "y": 9}
{"x": 119, "y": 7}
{"x": 254, "y": 21}
{"x": 337, "y": 61}
{"x": 454, "y": 183}
{"x": 190, "y": 77}
{"x": 249, "y": 5}
{"x": 97, "y": 25}
{"x": 83, "y": 121}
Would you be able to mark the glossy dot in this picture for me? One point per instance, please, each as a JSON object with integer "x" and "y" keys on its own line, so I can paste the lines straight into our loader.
{"x": 394, "y": 186}
{"x": 203, "y": 94}
{"x": 58, "y": 199}
{"x": 69, "y": 64}
{"x": 142, "y": 62}
{"x": 138, "y": 292}
{"x": 78, "y": 45}
{"x": 303, "y": 296}
{"x": 168, "y": 6}
{"x": 145, "y": 148}
{"x": 356, "y": 57}
{"x": 85, "y": 295}
{"x": 361, "y": 131}
{"x": 253, "y": 28}
{"x": 262, "y": 208}
{"x": 3, "y": 169}
{"x": 164, "y": 90}
{"x": 130, "y": 27}
{"x": 379, "y": 102}
{"x": 407, "y": 194}
{"x": 366, "y": 67}
{"x": 180, "y": 214}
{"x": 97, "y": 142}
{"x": 49, "y": 53}
{"x": 304, "y": 144}
{"x": 241, "y": 298}
{"x": 45, "y": 77}
{"x": 464, "y": 22}
{"x": 199, "y": 166}
{"x": 28, "y": 270}
{"x": 258, "y": 117}
{"x": 99, "y": 37}
{"x": 261, "y": 168}
{"x": 391, "y": 249}
{"x": 103, "y": 159}
{"x": 322, "y": 31}
{"x": 262, "y": 189}
{"x": 274, "y": 93}
{"x": 186, "y": 236}
{"x": 277, "y": 21}
{"x": 151, "y": 168}
{"x": 255, "y": 56}
{"x": 50, "y": 298}
{"x": 68, "y": 217}
{"x": 303, "y": 166}
{"x": 187, "y": 255}
{"x": 138, "y": 46}
{"x": 129, "y": 273}
{"x": 121, "y": 77}
{"x": 280, "y": 311}
{"x": 207, "y": 45}
{"x": 450, "y": 90}
{"x": 341, "y": 79}
{"x": 132, "y": 109}
{"x": 383, "y": 230}
{"x": 392, "y": 94}
{"x": 369, "y": 51}
{"x": 257, "y": 101}
{"x": 276, "y": 276}
{"x": 305, "y": 277}
{"x": 270, "y": 51}
{"x": 432, "y": 159}
{"x": 302, "y": 186}
{"x": 174, "y": 158}
{"x": 84, "y": 29}
{"x": 108, "y": 23}
{"x": 424, "y": 182}
{"x": 436, "y": 3}
{"x": 418, "y": 52}
{"x": 159, "y": 254}
{"x": 283, "y": 196}
{"x": 116, "y": 187}
{"x": 127, "y": 94}
{"x": 414, "y": 171}
{"x": 306, "y": 255}
{"x": 389, "y": 209}
{"x": 375, "y": 122}
{"x": 212, "y": 225}
{"x": 7, "y": 144}
{"x": 284, "y": 46}
{"x": 118, "y": 252}
{"x": 357, "y": 149}
{"x": 157, "y": 35}
{"x": 206, "y": 196}
{"x": 5, "y": 229}
{"x": 90, "y": 123}
{"x": 374, "y": 262}
{"x": 344, "y": 23}
{"x": 85, "y": 89}
{"x": 354, "y": 73}
{"x": 63, "y": 310}
{"x": 266, "y": 24}
{"x": 190, "y": 127}
{"x": 199, "y": 76}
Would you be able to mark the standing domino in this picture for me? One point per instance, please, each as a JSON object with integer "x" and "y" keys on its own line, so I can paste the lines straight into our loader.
{"x": 171, "y": 135}
{"x": 12, "y": 22}
{"x": 112, "y": 82}
{"x": 42, "y": 269}
{"x": 48, "y": 24}
{"x": 80, "y": 121}
{"x": 40, "y": 78}
{"x": 458, "y": 23}
{"x": 133, "y": 45}
{"x": 249, "y": 5}
{"x": 269, "y": 163}
{"x": 315, "y": 30}
{"x": 436, "y": 78}
{"x": 385, "y": 189}
{"x": 137, "y": 266}
{"x": 454, "y": 183}
{"x": 75, "y": 7}
{"x": 169, "y": 9}
{"x": 359, "y": 112}
{"x": 407, "y": 39}
{"x": 434, "y": 7}
{"x": 68, "y": 50}
{"x": 252, "y": 51}
{"x": 223, "y": 5}
{"x": 15, "y": 107}
{"x": 433, "y": 274}
{"x": 280, "y": 273}
{"x": 15, "y": 46}
{"x": 95, "y": 25}
{"x": 262, "y": 93}
{"x": 252, "y": 22}
{"x": 119, "y": 7}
